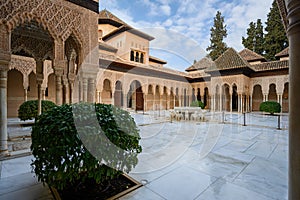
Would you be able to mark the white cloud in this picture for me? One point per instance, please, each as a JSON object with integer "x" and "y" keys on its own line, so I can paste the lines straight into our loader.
{"x": 192, "y": 20}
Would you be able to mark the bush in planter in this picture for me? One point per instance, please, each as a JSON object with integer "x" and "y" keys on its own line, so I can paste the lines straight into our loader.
{"x": 61, "y": 158}
{"x": 197, "y": 104}
{"x": 29, "y": 109}
{"x": 270, "y": 107}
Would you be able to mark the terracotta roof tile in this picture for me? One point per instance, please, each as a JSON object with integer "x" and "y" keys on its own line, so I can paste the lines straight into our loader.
{"x": 201, "y": 64}
{"x": 249, "y": 55}
{"x": 106, "y": 47}
{"x": 283, "y": 53}
{"x": 267, "y": 66}
{"x": 230, "y": 59}
{"x": 106, "y": 15}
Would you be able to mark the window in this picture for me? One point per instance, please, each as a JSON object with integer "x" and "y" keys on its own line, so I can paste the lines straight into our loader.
{"x": 137, "y": 55}
{"x": 132, "y": 55}
{"x": 142, "y": 58}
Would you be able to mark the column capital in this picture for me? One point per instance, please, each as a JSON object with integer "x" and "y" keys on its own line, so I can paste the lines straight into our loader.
{"x": 293, "y": 9}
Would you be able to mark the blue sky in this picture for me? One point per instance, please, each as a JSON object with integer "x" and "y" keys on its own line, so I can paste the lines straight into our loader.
{"x": 182, "y": 27}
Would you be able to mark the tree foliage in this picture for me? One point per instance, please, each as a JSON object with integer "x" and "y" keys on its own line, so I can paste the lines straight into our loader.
{"x": 29, "y": 109}
{"x": 217, "y": 33}
{"x": 255, "y": 37}
{"x": 270, "y": 107}
{"x": 61, "y": 156}
{"x": 275, "y": 38}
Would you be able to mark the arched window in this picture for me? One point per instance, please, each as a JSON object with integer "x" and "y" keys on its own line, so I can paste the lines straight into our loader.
{"x": 132, "y": 56}
{"x": 142, "y": 58}
{"x": 137, "y": 57}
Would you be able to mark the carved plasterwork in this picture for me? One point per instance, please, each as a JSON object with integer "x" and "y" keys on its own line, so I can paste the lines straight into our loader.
{"x": 60, "y": 20}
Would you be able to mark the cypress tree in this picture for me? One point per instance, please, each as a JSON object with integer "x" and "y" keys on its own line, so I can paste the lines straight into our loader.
{"x": 275, "y": 38}
{"x": 255, "y": 37}
{"x": 217, "y": 33}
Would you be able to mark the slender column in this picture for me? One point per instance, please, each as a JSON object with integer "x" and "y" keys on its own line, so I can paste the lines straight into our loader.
{"x": 71, "y": 86}
{"x": 242, "y": 103}
{"x": 25, "y": 94}
{"x": 230, "y": 102}
{"x": 250, "y": 106}
{"x": 293, "y": 8}
{"x": 91, "y": 90}
{"x": 66, "y": 94}
{"x": 39, "y": 82}
{"x": 124, "y": 100}
{"x": 58, "y": 89}
{"x": 43, "y": 94}
{"x": 84, "y": 89}
{"x": 3, "y": 110}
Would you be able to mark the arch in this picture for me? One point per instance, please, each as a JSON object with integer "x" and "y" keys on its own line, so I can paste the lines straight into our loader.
{"x": 106, "y": 94}
{"x": 285, "y": 98}
{"x": 257, "y": 97}
{"x": 234, "y": 98}
{"x": 135, "y": 96}
{"x": 118, "y": 96}
{"x": 22, "y": 17}
{"x": 15, "y": 92}
{"x": 272, "y": 96}
{"x": 226, "y": 97}
{"x": 206, "y": 96}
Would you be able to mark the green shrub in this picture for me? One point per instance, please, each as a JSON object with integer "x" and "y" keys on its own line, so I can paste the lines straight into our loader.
{"x": 270, "y": 107}
{"x": 197, "y": 104}
{"x": 68, "y": 146}
{"x": 29, "y": 109}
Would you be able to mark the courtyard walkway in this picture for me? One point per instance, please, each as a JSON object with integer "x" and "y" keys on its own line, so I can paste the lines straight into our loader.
{"x": 190, "y": 160}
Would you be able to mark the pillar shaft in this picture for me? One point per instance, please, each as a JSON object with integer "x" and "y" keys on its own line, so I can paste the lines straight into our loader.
{"x": 293, "y": 8}
{"x": 3, "y": 112}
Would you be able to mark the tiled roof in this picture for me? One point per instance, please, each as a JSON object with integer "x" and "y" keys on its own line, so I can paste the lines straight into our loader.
{"x": 157, "y": 60}
{"x": 283, "y": 53}
{"x": 106, "y": 47}
{"x": 249, "y": 55}
{"x": 106, "y": 15}
{"x": 201, "y": 64}
{"x": 267, "y": 66}
{"x": 230, "y": 59}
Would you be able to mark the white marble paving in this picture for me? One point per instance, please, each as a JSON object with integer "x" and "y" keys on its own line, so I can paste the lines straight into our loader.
{"x": 241, "y": 162}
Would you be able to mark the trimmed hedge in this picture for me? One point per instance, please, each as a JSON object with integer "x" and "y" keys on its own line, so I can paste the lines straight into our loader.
{"x": 68, "y": 147}
{"x": 198, "y": 104}
{"x": 29, "y": 109}
{"x": 270, "y": 107}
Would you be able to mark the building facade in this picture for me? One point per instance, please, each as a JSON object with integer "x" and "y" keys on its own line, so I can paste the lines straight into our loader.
{"x": 67, "y": 52}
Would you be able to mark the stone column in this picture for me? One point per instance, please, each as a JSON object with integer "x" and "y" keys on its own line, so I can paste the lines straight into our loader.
{"x": 58, "y": 81}
{"x": 25, "y": 94}
{"x": 3, "y": 109}
{"x": 91, "y": 90}
{"x": 230, "y": 102}
{"x": 250, "y": 104}
{"x": 39, "y": 82}
{"x": 84, "y": 89}
{"x": 66, "y": 91}
{"x": 293, "y": 32}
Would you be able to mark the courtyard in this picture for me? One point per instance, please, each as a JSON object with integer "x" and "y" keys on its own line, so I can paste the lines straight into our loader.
{"x": 218, "y": 158}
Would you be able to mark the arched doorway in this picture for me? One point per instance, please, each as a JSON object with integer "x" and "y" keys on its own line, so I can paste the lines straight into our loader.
{"x": 198, "y": 95}
{"x": 225, "y": 97}
{"x": 118, "y": 96}
{"x": 272, "y": 96}
{"x": 285, "y": 98}
{"x": 206, "y": 95}
{"x": 257, "y": 97}
{"x": 106, "y": 95}
{"x": 136, "y": 96}
{"x": 234, "y": 98}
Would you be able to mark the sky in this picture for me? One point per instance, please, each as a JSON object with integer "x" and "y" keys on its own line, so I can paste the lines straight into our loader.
{"x": 182, "y": 27}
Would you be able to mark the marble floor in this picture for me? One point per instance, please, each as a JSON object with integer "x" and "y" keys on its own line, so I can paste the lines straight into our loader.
{"x": 190, "y": 160}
